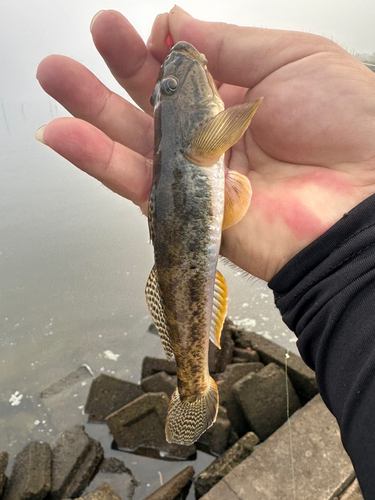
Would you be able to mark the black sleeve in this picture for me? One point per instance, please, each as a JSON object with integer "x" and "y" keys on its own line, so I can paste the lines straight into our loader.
{"x": 326, "y": 295}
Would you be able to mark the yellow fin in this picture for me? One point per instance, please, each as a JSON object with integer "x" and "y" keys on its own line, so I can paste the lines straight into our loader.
{"x": 188, "y": 420}
{"x": 156, "y": 308}
{"x": 221, "y": 133}
{"x": 237, "y": 198}
{"x": 219, "y": 309}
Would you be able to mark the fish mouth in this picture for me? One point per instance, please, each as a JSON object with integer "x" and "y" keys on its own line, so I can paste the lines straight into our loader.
{"x": 190, "y": 51}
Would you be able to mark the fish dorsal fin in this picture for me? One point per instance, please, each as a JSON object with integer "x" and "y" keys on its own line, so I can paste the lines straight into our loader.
{"x": 221, "y": 133}
{"x": 219, "y": 310}
{"x": 237, "y": 197}
{"x": 156, "y": 308}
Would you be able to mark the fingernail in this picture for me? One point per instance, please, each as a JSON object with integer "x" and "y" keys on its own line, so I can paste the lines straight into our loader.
{"x": 39, "y": 134}
{"x": 177, "y": 7}
{"x": 95, "y": 18}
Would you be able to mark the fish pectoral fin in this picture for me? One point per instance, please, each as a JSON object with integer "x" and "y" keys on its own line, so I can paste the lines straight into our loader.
{"x": 237, "y": 197}
{"x": 188, "y": 420}
{"x": 219, "y": 309}
{"x": 221, "y": 133}
{"x": 156, "y": 308}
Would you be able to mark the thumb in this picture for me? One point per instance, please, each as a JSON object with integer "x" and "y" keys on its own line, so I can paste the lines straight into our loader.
{"x": 237, "y": 55}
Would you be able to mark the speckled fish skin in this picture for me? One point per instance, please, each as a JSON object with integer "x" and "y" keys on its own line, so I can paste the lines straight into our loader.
{"x": 186, "y": 295}
{"x": 185, "y": 215}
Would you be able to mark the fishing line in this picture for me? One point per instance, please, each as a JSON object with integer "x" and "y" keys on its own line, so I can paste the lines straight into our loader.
{"x": 289, "y": 426}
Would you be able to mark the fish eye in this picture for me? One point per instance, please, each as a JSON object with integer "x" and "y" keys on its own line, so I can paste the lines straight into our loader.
{"x": 169, "y": 85}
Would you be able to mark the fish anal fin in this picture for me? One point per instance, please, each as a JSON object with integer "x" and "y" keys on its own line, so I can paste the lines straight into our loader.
{"x": 221, "y": 133}
{"x": 219, "y": 309}
{"x": 155, "y": 306}
{"x": 237, "y": 197}
{"x": 188, "y": 420}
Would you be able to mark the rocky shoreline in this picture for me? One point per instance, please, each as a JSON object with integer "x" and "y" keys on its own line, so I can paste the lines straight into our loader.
{"x": 256, "y": 398}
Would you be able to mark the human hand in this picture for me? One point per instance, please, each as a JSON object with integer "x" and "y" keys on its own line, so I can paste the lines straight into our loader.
{"x": 309, "y": 152}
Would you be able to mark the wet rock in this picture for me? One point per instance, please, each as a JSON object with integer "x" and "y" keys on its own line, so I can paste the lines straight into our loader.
{"x": 104, "y": 492}
{"x": 215, "y": 439}
{"x": 176, "y": 488}
{"x": 152, "y": 329}
{"x": 108, "y": 394}
{"x": 160, "y": 382}
{"x": 31, "y": 474}
{"x": 263, "y": 399}
{"x": 247, "y": 355}
{"x": 79, "y": 375}
{"x": 4, "y": 457}
{"x": 63, "y": 400}
{"x": 75, "y": 458}
{"x": 224, "y": 464}
{"x": 225, "y": 382}
{"x": 218, "y": 359}
{"x": 113, "y": 465}
{"x": 139, "y": 427}
{"x": 150, "y": 366}
{"x": 321, "y": 466}
{"x": 353, "y": 492}
{"x": 301, "y": 376}
{"x": 115, "y": 474}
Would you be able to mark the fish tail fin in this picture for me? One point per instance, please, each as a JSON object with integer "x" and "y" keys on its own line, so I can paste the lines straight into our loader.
{"x": 188, "y": 420}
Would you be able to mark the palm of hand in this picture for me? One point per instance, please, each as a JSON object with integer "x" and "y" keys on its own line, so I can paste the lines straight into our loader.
{"x": 308, "y": 157}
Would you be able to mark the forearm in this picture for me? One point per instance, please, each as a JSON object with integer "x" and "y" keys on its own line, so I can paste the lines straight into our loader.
{"x": 326, "y": 295}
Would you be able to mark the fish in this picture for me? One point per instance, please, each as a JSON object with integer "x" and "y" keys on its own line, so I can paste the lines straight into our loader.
{"x": 192, "y": 200}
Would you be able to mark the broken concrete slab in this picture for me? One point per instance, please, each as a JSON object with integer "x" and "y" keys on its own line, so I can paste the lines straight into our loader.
{"x": 108, "y": 394}
{"x": 103, "y": 492}
{"x": 215, "y": 439}
{"x": 353, "y": 492}
{"x": 160, "y": 382}
{"x": 218, "y": 359}
{"x": 31, "y": 474}
{"x": 247, "y": 355}
{"x": 63, "y": 401}
{"x": 176, "y": 488}
{"x": 115, "y": 474}
{"x": 301, "y": 376}
{"x": 303, "y": 459}
{"x": 139, "y": 427}
{"x": 4, "y": 458}
{"x": 224, "y": 464}
{"x": 151, "y": 365}
{"x": 81, "y": 374}
{"x": 264, "y": 399}
{"x": 225, "y": 382}
{"x": 75, "y": 458}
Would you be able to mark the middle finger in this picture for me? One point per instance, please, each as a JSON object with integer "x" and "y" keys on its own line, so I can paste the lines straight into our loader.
{"x": 85, "y": 97}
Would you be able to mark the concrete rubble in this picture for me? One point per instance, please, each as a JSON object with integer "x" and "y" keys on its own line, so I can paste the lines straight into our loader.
{"x": 75, "y": 457}
{"x": 176, "y": 488}
{"x": 250, "y": 374}
{"x": 310, "y": 441}
{"x": 224, "y": 464}
{"x": 258, "y": 393}
{"x": 108, "y": 394}
{"x": 31, "y": 474}
{"x": 353, "y": 492}
{"x": 4, "y": 458}
{"x": 140, "y": 427}
{"x": 160, "y": 382}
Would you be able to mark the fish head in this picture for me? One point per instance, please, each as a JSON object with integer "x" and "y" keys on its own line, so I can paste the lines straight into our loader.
{"x": 185, "y": 92}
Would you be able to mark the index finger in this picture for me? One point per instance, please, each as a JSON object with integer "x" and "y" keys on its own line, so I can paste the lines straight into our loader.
{"x": 126, "y": 56}
{"x": 237, "y": 55}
